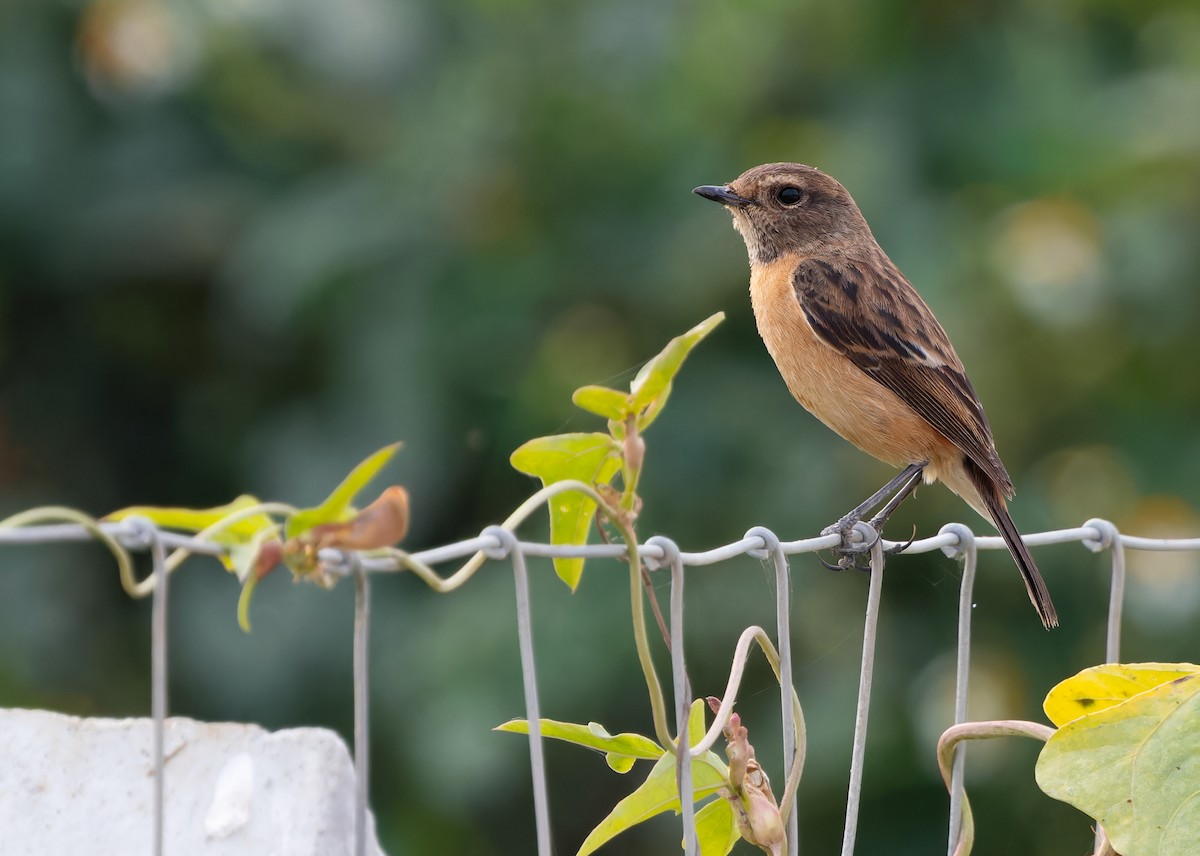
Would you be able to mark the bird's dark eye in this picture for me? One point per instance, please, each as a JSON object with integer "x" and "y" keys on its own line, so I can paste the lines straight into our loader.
{"x": 789, "y": 195}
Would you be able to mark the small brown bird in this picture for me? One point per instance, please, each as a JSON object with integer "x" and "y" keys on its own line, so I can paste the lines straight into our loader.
{"x": 858, "y": 347}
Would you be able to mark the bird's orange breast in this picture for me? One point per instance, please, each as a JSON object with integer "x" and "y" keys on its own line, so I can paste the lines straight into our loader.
{"x": 830, "y": 386}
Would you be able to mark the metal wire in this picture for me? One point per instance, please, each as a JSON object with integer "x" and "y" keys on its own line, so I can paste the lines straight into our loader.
{"x": 362, "y": 728}
{"x": 859, "y": 749}
{"x": 158, "y": 682}
{"x": 962, "y": 672}
{"x": 783, "y": 631}
{"x": 128, "y": 535}
{"x": 681, "y": 692}
{"x": 507, "y": 547}
{"x": 497, "y": 543}
{"x": 1110, "y": 539}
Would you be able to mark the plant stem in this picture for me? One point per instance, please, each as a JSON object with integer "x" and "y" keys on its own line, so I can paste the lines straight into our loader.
{"x": 955, "y": 734}
{"x": 61, "y": 514}
{"x": 658, "y": 705}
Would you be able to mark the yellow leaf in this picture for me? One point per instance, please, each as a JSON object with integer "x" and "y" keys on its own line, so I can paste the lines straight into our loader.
{"x": 196, "y": 519}
{"x": 1135, "y": 767}
{"x": 1101, "y": 687}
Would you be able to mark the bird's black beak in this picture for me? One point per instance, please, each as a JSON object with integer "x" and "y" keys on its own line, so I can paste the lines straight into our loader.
{"x": 723, "y": 195}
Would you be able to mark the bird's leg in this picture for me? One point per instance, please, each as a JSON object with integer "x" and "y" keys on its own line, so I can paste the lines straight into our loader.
{"x": 899, "y": 489}
{"x": 881, "y": 518}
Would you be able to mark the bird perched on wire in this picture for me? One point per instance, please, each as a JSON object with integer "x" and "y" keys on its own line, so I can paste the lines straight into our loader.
{"x": 858, "y": 347}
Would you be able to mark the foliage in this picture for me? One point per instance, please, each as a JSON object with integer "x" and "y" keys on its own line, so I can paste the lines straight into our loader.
{"x": 1127, "y": 752}
{"x": 1124, "y": 752}
{"x": 718, "y": 825}
{"x": 595, "y": 459}
{"x": 620, "y": 751}
{"x": 747, "y": 808}
{"x": 257, "y": 542}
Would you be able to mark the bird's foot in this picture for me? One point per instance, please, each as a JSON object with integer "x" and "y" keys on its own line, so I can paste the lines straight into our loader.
{"x": 858, "y": 536}
{"x": 851, "y": 554}
{"x": 857, "y": 539}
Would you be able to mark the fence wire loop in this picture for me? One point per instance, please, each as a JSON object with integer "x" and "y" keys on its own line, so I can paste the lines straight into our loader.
{"x": 659, "y": 551}
{"x": 770, "y": 540}
{"x": 340, "y": 563}
{"x": 139, "y": 533}
{"x": 863, "y": 536}
{"x": 966, "y": 539}
{"x": 1106, "y": 535}
{"x": 506, "y": 543}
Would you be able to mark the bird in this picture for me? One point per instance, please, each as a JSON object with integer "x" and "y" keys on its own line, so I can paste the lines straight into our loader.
{"x": 860, "y": 350}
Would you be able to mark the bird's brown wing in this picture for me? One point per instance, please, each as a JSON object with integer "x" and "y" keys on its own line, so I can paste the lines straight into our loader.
{"x": 874, "y": 317}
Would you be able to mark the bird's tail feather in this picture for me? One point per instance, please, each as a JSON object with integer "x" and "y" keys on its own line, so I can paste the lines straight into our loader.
{"x": 1039, "y": 595}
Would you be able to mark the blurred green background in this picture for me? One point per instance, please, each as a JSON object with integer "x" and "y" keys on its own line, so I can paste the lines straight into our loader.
{"x": 244, "y": 243}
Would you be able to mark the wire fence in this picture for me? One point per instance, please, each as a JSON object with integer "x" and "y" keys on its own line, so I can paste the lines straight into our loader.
{"x": 498, "y": 543}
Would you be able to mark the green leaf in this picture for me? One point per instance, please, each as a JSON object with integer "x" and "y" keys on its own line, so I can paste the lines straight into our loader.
{"x": 1135, "y": 768}
{"x": 654, "y": 796}
{"x": 654, "y": 380}
{"x": 196, "y": 519}
{"x": 602, "y": 401}
{"x": 589, "y": 458}
{"x": 337, "y": 506}
{"x": 696, "y": 715}
{"x": 619, "y": 763}
{"x": 716, "y": 829}
{"x": 620, "y": 750}
{"x": 1100, "y": 687}
{"x": 567, "y": 456}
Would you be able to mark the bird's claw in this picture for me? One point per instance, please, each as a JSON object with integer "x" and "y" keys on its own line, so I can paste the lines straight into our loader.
{"x": 896, "y": 549}
{"x": 846, "y": 562}
{"x": 850, "y": 550}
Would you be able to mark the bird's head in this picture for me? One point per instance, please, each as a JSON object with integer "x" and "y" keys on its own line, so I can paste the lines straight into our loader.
{"x": 789, "y": 207}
